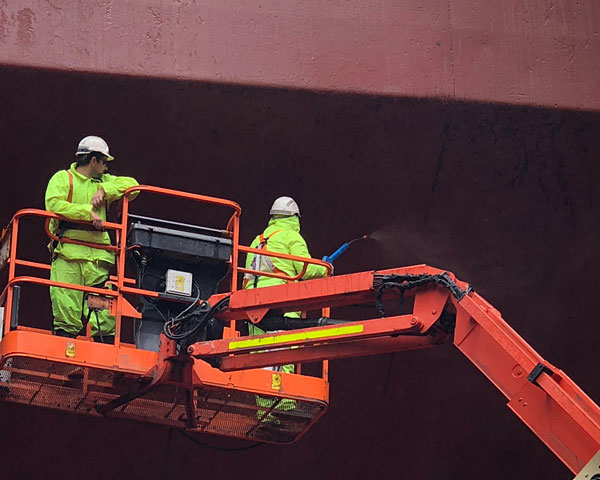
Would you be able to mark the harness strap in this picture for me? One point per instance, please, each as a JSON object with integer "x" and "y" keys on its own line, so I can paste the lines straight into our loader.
{"x": 76, "y": 226}
{"x": 61, "y": 225}
{"x": 70, "y": 195}
{"x": 263, "y": 241}
{"x": 262, "y": 245}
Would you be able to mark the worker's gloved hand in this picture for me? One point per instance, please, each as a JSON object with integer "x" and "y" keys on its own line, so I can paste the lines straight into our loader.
{"x": 327, "y": 259}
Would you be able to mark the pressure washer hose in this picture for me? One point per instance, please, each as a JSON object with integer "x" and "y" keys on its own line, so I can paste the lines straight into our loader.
{"x": 335, "y": 255}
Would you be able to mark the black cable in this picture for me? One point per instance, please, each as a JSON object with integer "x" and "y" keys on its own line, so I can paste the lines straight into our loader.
{"x": 407, "y": 282}
{"x": 223, "y": 449}
{"x": 89, "y": 315}
{"x": 159, "y": 312}
{"x": 173, "y": 325}
{"x": 98, "y": 325}
{"x": 172, "y": 320}
{"x": 150, "y": 274}
{"x": 180, "y": 314}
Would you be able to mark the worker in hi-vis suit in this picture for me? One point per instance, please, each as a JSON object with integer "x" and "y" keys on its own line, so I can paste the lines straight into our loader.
{"x": 282, "y": 235}
{"x": 83, "y": 192}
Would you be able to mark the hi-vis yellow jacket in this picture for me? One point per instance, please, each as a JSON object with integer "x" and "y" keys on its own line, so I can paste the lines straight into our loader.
{"x": 80, "y": 208}
{"x": 283, "y": 236}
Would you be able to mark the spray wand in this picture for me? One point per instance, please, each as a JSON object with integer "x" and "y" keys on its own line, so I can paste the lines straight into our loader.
{"x": 334, "y": 256}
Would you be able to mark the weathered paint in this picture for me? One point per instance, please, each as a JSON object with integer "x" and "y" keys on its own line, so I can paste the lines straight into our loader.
{"x": 504, "y": 196}
{"x": 543, "y": 52}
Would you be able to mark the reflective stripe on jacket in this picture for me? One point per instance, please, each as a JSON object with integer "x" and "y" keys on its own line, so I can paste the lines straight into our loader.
{"x": 261, "y": 263}
{"x": 288, "y": 240}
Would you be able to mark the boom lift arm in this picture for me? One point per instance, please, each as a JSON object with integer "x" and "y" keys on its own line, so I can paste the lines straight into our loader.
{"x": 444, "y": 309}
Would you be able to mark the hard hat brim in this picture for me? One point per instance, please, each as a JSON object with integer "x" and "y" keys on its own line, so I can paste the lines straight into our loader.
{"x": 109, "y": 158}
{"x": 283, "y": 213}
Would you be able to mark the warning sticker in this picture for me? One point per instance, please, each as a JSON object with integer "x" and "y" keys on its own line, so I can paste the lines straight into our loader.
{"x": 294, "y": 337}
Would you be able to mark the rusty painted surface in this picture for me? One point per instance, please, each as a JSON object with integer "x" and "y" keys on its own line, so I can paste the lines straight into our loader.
{"x": 504, "y": 196}
{"x": 544, "y": 52}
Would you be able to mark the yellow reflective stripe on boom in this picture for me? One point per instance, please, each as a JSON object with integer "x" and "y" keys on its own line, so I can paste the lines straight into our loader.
{"x": 294, "y": 337}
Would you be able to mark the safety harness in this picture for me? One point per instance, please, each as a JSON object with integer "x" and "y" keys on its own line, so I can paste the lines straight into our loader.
{"x": 261, "y": 263}
{"x": 64, "y": 225}
{"x": 70, "y": 195}
{"x": 72, "y": 225}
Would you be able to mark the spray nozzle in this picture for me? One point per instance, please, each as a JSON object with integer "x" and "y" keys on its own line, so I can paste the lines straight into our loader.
{"x": 334, "y": 256}
{"x": 364, "y": 237}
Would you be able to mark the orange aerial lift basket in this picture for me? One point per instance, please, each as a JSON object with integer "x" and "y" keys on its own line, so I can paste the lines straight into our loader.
{"x": 149, "y": 379}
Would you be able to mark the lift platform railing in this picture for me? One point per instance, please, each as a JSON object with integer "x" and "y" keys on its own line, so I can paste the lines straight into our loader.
{"x": 233, "y": 227}
{"x": 282, "y": 276}
{"x": 36, "y": 367}
{"x": 120, "y": 282}
{"x": 12, "y": 237}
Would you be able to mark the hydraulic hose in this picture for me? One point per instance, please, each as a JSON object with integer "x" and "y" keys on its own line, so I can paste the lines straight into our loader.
{"x": 271, "y": 323}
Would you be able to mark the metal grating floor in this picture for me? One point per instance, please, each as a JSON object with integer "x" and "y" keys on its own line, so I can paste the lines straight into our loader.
{"x": 219, "y": 411}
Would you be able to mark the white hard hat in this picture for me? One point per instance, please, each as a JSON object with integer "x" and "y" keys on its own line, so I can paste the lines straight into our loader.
{"x": 93, "y": 144}
{"x": 285, "y": 206}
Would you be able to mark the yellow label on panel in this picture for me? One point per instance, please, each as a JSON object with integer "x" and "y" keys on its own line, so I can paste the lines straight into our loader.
{"x": 180, "y": 283}
{"x": 70, "y": 349}
{"x": 276, "y": 381}
{"x": 294, "y": 337}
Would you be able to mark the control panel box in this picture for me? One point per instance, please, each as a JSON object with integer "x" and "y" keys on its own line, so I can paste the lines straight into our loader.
{"x": 178, "y": 282}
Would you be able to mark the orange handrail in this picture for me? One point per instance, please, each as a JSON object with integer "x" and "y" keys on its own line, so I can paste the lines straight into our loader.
{"x": 53, "y": 283}
{"x": 232, "y": 226}
{"x": 284, "y": 256}
{"x": 119, "y": 281}
{"x": 13, "y": 261}
{"x": 27, "y": 263}
{"x": 187, "y": 195}
{"x": 104, "y": 246}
